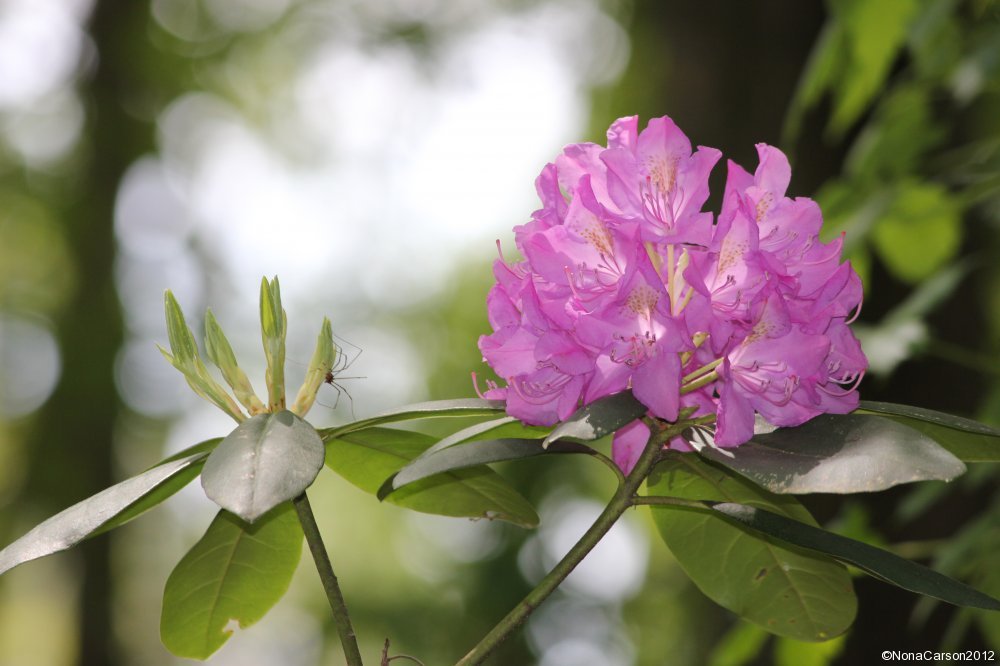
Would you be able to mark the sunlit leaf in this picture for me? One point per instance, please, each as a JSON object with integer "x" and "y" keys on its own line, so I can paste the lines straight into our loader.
{"x": 921, "y": 231}
{"x": 266, "y": 460}
{"x": 232, "y": 576}
{"x": 69, "y": 527}
{"x": 879, "y": 563}
{"x": 461, "y": 407}
{"x": 506, "y": 427}
{"x": 368, "y": 457}
{"x": 834, "y": 453}
{"x": 968, "y": 440}
{"x": 472, "y": 454}
{"x": 897, "y": 138}
{"x": 874, "y": 32}
{"x": 154, "y": 497}
{"x": 166, "y": 489}
{"x": 851, "y": 59}
{"x": 785, "y": 590}
{"x": 600, "y": 418}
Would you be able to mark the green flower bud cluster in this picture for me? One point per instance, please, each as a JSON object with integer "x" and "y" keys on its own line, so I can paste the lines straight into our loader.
{"x": 184, "y": 356}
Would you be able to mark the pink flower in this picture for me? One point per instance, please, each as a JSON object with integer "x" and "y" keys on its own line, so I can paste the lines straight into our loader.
{"x": 628, "y": 284}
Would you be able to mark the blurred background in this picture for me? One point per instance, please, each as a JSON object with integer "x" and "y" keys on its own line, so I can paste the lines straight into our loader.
{"x": 370, "y": 153}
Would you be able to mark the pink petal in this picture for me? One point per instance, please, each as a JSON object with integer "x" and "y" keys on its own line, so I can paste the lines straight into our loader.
{"x": 628, "y": 444}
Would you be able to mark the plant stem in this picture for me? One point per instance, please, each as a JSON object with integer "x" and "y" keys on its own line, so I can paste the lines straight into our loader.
{"x": 696, "y": 384}
{"x": 341, "y": 619}
{"x": 619, "y": 503}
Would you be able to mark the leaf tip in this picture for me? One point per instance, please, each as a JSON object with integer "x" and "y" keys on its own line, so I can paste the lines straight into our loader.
{"x": 387, "y": 488}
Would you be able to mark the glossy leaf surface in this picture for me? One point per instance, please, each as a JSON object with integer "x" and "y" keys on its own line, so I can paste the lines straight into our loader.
{"x": 506, "y": 427}
{"x": 368, "y": 457}
{"x": 166, "y": 489}
{"x": 233, "y": 575}
{"x": 471, "y": 454}
{"x": 69, "y": 527}
{"x": 266, "y": 460}
{"x": 461, "y": 407}
{"x": 968, "y": 440}
{"x": 599, "y": 418}
{"x": 840, "y": 454}
{"x": 786, "y": 590}
{"x": 880, "y": 563}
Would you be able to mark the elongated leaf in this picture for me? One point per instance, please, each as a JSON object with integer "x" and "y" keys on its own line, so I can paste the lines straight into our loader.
{"x": 929, "y": 416}
{"x": 368, "y": 457}
{"x": 834, "y": 453}
{"x": 234, "y": 574}
{"x": 166, "y": 489}
{"x": 421, "y": 410}
{"x": 266, "y": 460}
{"x": 472, "y": 454}
{"x": 69, "y": 527}
{"x": 506, "y": 427}
{"x": 154, "y": 497}
{"x": 600, "y": 418}
{"x": 785, "y": 590}
{"x": 968, "y": 440}
{"x": 205, "y": 447}
{"x": 880, "y": 563}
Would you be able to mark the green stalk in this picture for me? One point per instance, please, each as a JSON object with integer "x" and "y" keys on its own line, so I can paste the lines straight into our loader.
{"x": 698, "y": 383}
{"x": 623, "y": 498}
{"x": 348, "y": 640}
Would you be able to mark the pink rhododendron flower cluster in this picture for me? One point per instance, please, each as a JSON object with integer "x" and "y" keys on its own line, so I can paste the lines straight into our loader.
{"x": 627, "y": 283}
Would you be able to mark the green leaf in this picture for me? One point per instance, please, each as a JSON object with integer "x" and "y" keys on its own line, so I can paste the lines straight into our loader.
{"x": 874, "y": 32}
{"x": 923, "y": 414}
{"x": 834, "y": 453}
{"x": 506, "y": 427}
{"x": 266, "y": 460}
{"x": 69, "y": 527}
{"x": 783, "y": 589}
{"x": 473, "y": 454}
{"x": 368, "y": 457}
{"x": 461, "y": 407}
{"x": 879, "y": 563}
{"x": 166, "y": 489}
{"x": 205, "y": 447}
{"x": 895, "y": 141}
{"x": 600, "y": 418}
{"x": 920, "y": 233}
{"x": 235, "y": 573}
{"x": 154, "y": 497}
{"x": 968, "y": 440}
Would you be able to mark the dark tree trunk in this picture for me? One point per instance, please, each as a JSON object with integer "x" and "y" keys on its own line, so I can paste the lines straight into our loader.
{"x": 72, "y": 448}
